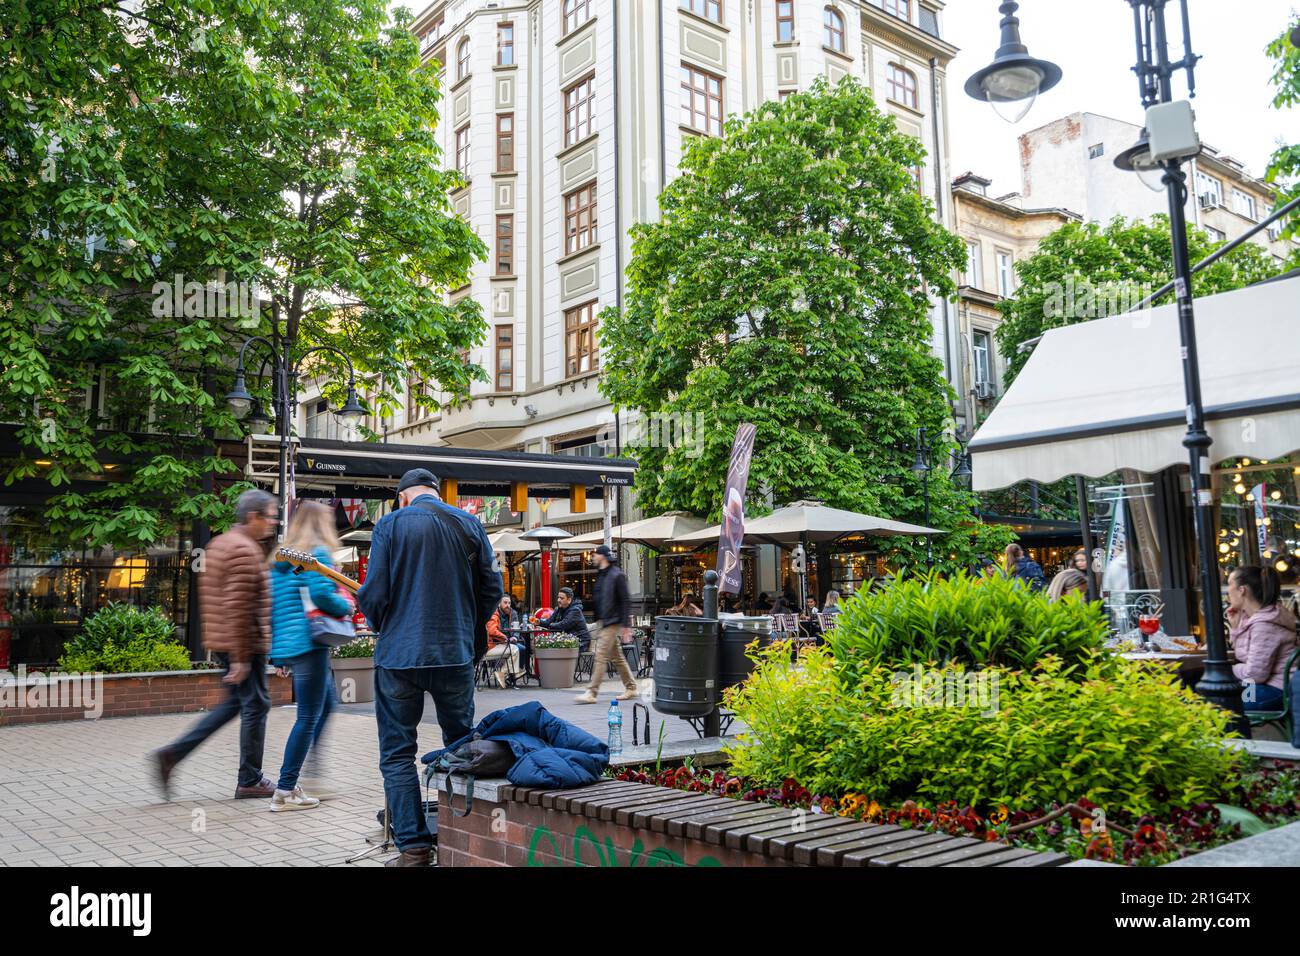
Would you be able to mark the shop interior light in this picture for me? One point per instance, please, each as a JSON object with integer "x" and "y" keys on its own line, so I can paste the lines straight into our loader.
{"x": 1239, "y": 488}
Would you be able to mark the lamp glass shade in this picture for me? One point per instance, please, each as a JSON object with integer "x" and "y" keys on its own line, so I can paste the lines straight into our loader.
{"x": 352, "y": 412}
{"x": 1012, "y": 91}
{"x": 257, "y": 419}
{"x": 238, "y": 398}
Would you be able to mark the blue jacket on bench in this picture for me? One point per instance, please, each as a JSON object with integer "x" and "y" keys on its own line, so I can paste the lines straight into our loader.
{"x": 550, "y": 753}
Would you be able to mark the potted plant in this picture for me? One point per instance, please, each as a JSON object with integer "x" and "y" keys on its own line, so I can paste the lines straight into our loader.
{"x": 354, "y": 671}
{"x": 557, "y": 655}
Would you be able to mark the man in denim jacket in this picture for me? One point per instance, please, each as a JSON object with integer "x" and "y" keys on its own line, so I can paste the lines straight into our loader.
{"x": 424, "y": 596}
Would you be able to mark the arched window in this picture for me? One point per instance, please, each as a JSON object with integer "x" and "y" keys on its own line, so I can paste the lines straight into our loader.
{"x": 902, "y": 86}
{"x": 462, "y": 59}
{"x": 834, "y": 23}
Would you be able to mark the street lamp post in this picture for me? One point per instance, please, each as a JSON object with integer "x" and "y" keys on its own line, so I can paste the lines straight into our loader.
{"x": 1167, "y": 141}
{"x": 922, "y": 466}
{"x": 284, "y": 371}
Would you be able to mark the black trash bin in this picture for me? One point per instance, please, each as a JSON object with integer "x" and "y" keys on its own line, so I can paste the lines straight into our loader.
{"x": 686, "y": 666}
{"x": 737, "y": 634}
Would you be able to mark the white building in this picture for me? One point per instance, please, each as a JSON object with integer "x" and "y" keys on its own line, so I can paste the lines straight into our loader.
{"x": 1070, "y": 163}
{"x": 567, "y": 117}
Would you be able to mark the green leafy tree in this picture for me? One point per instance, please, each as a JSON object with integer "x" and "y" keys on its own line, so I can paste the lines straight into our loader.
{"x": 789, "y": 283}
{"x": 152, "y": 147}
{"x": 1086, "y": 271}
{"x": 1284, "y": 168}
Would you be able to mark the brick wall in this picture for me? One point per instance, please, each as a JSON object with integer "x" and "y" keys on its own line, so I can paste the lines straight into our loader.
{"x": 123, "y": 695}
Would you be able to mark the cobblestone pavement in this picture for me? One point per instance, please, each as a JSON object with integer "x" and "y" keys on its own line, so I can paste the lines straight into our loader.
{"x": 81, "y": 792}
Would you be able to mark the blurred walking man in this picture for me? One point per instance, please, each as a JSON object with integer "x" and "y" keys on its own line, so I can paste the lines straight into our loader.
{"x": 613, "y": 622}
{"x": 235, "y": 611}
{"x": 430, "y": 587}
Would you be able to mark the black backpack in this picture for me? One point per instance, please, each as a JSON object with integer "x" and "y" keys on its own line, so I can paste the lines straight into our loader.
{"x": 474, "y": 758}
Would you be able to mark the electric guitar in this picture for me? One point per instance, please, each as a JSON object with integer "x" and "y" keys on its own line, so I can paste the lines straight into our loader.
{"x": 306, "y": 562}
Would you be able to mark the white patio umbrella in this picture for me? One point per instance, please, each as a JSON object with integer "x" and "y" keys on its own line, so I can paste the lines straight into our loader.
{"x": 654, "y": 533}
{"x": 807, "y": 522}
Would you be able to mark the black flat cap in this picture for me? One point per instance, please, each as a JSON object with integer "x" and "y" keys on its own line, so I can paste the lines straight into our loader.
{"x": 417, "y": 476}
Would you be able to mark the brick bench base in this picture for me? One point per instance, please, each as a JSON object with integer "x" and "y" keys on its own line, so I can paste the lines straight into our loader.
{"x": 618, "y": 824}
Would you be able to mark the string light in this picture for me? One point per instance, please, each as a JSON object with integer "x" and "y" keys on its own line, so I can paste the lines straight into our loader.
{"x": 1239, "y": 488}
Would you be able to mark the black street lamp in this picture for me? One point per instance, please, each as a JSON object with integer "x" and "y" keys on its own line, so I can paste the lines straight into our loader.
{"x": 284, "y": 370}
{"x": 1012, "y": 82}
{"x": 1169, "y": 140}
{"x": 923, "y": 465}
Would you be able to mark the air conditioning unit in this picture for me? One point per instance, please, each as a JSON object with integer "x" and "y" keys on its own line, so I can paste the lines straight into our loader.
{"x": 985, "y": 391}
{"x": 1274, "y": 233}
{"x": 1209, "y": 201}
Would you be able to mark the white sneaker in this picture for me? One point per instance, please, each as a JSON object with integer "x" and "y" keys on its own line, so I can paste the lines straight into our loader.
{"x": 587, "y": 698}
{"x": 293, "y": 799}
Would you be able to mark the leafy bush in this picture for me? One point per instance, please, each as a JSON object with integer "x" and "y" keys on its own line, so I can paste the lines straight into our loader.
{"x": 361, "y": 647}
{"x": 121, "y": 639}
{"x": 1124, "y": 736}
{"x": 968, "y": 620}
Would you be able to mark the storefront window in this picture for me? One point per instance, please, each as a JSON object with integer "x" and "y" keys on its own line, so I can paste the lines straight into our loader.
{"x": 1258, "y": 517}
{"x": 48, "y": 587}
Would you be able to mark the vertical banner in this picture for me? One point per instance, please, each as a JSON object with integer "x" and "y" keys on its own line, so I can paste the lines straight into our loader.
{"x": 1260, "y": 492}
{"x": 733, "y": 510}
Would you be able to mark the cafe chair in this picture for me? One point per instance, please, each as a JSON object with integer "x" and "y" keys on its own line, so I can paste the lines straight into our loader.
{"x": 1283, "y": 719}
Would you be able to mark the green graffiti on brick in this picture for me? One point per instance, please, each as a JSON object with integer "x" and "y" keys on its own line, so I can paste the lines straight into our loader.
{"x": 608, "y": 855}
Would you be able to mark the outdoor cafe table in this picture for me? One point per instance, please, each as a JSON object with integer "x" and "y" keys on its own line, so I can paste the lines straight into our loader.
{"x": 1190, "y": 664}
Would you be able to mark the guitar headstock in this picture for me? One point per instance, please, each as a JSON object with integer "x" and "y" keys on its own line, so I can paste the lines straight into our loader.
{"x": 299, "y": 559}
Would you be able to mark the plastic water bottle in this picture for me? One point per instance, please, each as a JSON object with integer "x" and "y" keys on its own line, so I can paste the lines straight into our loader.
{"x": 615, "y": 718}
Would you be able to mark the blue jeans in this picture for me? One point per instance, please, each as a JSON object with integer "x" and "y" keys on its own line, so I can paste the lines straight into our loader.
{"x": 1261, "y": 697}
{"x": 399, "y": 705}
{"x": 250, "y": 701}
{"x": 313, "y": 689}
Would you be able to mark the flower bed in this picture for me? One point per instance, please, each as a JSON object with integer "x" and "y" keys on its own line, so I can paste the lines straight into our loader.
{"x": 1268, "y": 796}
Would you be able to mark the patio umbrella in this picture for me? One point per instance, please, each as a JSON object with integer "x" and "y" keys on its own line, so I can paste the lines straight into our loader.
{"x": 654, "y": 533}
{"x": 806, "y": 522}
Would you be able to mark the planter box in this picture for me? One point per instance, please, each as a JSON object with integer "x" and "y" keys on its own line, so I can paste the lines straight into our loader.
{"x": 629, "y": 825}
{"x": 35, "y": 699}
{"x": 354, "y": 679}
{"x": 556, "y": 665}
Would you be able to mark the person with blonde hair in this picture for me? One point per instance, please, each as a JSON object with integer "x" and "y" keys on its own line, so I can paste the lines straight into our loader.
{"x": 311, "y": 530}
{"x": 1067, "y": 582}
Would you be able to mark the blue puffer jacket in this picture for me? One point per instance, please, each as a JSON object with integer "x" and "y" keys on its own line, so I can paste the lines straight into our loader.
{"x": 550, "y": 753}
{"x": 290, "y": 633}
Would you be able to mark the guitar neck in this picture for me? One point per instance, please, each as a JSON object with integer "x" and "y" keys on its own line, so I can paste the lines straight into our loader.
{"x": 338, "y": 578}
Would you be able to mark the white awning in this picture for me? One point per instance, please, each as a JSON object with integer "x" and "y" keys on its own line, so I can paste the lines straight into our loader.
{"x": 1108, "y": 394}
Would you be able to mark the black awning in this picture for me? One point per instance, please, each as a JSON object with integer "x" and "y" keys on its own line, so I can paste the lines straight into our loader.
{"x": 475, "y": 470}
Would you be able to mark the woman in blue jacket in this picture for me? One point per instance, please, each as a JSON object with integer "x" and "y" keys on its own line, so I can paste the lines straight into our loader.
{"x": 311, "y": 530}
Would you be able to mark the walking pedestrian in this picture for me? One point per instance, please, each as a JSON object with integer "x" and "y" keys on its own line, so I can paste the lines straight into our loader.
{"x": 234, "y": 607}
{"x": 311, "y": 530}
{"x": 613, "y": 622}
{"x": 430, "y": 587}
{"x": 1020, "y": 565}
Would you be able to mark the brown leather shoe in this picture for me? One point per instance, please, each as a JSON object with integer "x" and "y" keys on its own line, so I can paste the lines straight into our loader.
{"x": 263, "y": 790}
{"x": 164, "y": 762}
{"x": 410, "y": 858}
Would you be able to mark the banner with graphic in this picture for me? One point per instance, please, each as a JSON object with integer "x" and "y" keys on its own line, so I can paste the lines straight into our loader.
{"x": 733, "y": 510}
{"x": 1260, "y": 492}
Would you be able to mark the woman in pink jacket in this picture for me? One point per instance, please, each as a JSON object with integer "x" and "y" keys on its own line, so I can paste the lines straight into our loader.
{"x": 1263, "y": 636}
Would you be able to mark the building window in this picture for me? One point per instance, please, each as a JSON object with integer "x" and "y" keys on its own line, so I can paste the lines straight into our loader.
{"x": 580, "y": 350}
{"x": 1216, "y": 235}
{"x": 974, "y": 265}
{"x": 462, "y": 59}
{"x": 1006, "y": 274}
{"x": 834, "y": 23}
{"x": 919, "y": 175}
{"x": 322, "y": 422}
{"x": 579, "y": 100}
{"x": 432, "y": 37}
{"x": 580, "y": 218}
{"x": 576, "y": 13}
{"x": 505, "y": 380}
{"x": 415, "y": 388}
{"x": 462, "y": 150}
{"x": 505, "y": 44}
{"x": 1097, "y": 151}
{"x": 784, "y": 21}
{"x": 982, "y": 349}
{"x": 506, "y": 143}
{"x": 506, "y": 244}
{"x": 902, "y": 86}
{"x": 783, "y": 95}
{"x": 1208, "y": 185}
{"x": 709, "y": 9}
{"x": 899, "y": 8}
{"x": 1244, "y": 204}
{"x": 701, "y": 101}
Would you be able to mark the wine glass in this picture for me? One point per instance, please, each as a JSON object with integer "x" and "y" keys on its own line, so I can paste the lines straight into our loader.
{"x": 1149, "y": 624}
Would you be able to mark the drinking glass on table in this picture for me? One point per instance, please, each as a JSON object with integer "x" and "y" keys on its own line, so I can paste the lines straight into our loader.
{"x": 1149, "y": 624}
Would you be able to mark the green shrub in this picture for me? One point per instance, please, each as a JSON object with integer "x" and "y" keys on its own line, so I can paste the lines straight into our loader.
{"x": 121, "y": 639}
{"x": 354, "y": 650}
{"x": 974, "y": 621}
{"x": 1123, "y": 735}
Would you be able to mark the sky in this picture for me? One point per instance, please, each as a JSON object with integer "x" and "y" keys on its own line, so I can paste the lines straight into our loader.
{"x": 1093, "y": 43}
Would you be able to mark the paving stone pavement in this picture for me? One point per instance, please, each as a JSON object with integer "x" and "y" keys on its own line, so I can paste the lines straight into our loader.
{"x": 81, "y": 792}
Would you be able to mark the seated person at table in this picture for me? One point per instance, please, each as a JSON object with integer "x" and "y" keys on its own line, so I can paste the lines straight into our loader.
{"x": 1067, "y": 582}
{"x": 501, "y": 645}
{"x": 1263, "y": 636}
{"x": 832, "y": 603}
{"x": 781, "y": 607}
{"x": 688, "y": 607}
{"x": 763, "y": 605}
{"x": 508, "y": 614}
{"x": 568, "y": 617}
